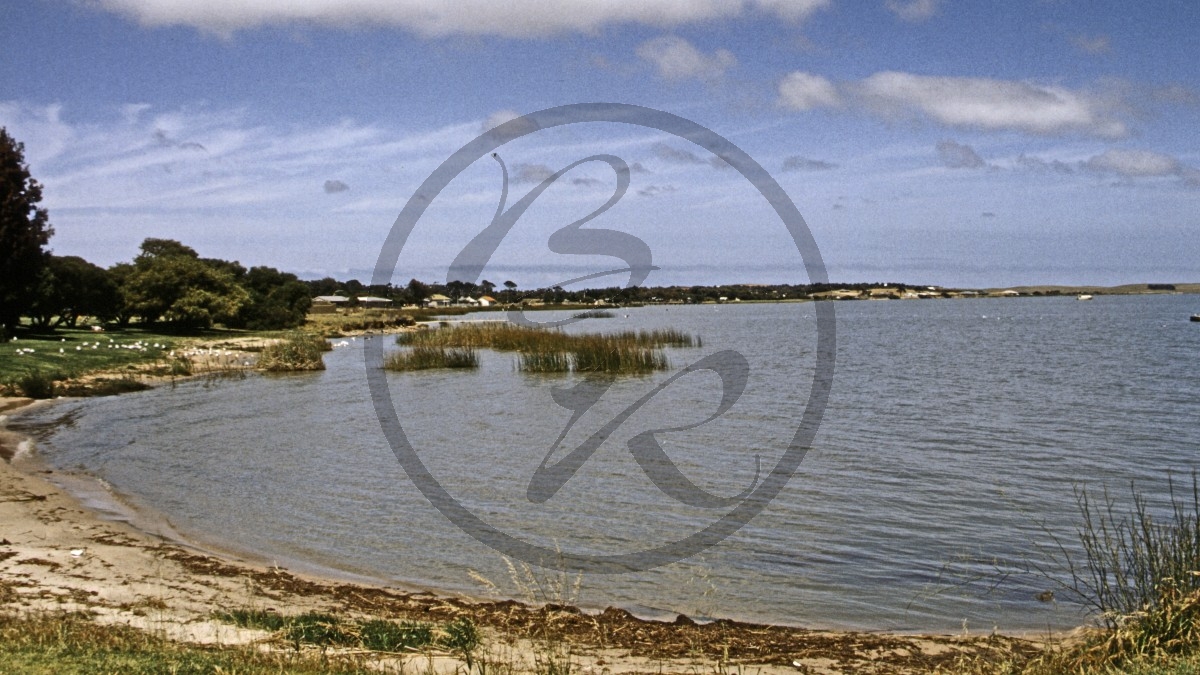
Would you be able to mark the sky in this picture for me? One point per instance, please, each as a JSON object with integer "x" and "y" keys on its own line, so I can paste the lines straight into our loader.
{"x": 969, "y": 144}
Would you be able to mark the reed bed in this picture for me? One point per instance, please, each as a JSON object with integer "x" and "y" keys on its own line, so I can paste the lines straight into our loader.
{"x": 296, "y": 352}
{"x": 554, "y": 351}
{"x": 424, "y": 357}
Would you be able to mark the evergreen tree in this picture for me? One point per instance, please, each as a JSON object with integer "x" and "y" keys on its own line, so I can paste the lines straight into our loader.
{"x": 24, "y": 232}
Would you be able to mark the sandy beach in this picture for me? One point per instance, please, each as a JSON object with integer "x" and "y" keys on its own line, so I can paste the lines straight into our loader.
{"x": 58, "y": 555}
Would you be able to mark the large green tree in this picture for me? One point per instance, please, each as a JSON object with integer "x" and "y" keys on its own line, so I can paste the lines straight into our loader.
{"x": 277, "y": 300}
{"x": 169, "y": 282}
{"x": 70, "y": 287}
{"x": 24, "y": 232}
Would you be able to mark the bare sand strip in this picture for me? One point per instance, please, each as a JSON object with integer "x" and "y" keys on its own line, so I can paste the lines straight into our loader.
{"x": 57, "y": 555}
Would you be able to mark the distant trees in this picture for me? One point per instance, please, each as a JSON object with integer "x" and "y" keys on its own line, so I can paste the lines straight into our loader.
{"x": 24, "y": 232}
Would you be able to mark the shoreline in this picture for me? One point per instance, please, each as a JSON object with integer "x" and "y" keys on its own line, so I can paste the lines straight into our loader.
{"x": 59, "y": 552}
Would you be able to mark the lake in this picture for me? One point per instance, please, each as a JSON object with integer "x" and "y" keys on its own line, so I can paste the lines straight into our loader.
{"x": 946, "y": 465}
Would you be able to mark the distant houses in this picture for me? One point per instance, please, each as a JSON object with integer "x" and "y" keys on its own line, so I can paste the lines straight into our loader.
{"x": 328, "y": 304}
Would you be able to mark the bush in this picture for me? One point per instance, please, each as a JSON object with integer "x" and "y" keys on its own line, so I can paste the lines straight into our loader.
{"x": 296, "y": 352}
{"x": 36, "y": 384}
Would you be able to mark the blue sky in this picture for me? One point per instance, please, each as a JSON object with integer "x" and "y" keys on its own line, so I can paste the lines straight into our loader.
{"x": 926, "y": 141}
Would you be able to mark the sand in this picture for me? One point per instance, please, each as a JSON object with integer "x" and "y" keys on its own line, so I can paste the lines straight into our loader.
{"x": 58, "y": 555}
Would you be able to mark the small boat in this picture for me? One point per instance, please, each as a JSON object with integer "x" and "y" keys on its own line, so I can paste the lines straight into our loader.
{"x": 1196, "y": 317}
{"x": 1084, "y": 296}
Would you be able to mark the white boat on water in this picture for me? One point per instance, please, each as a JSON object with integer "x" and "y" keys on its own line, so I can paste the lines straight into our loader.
{"x": 1084, "y": 296}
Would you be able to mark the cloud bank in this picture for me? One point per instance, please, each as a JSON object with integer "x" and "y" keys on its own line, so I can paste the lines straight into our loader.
{"x": 514, "y": 19}
{"x": 978, "y": 103}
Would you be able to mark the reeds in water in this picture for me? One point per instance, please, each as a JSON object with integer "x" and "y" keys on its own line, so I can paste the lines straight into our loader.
{"x": 427, "y": 358}
{"x": 296, "y": 352}
{"x": 554, "y": 351}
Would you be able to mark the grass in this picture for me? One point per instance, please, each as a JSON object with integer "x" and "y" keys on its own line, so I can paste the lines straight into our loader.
{"x": 325, "y": 630}
{"x": 555, "y": 351}
{"x": 77, "y": 352}
{"x": 72, "y": 643}
{"x": 426, "y": 358}
{"x": 296, "y": 352}
{"x": 1141, "y": 575}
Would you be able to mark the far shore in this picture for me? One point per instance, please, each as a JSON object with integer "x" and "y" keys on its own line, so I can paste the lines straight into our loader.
{"x": 58, "y": 555}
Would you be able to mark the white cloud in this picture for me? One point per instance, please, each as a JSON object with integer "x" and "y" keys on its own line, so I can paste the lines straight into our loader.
{"x": 794, "y": 10}
{"x": 913, "y": 10}
{"x": 1135, "y": 163}
{"x": 989, "y": 104}
{"x": 676, "y": 59}
{"x": 805, "y": 91}
{"x": 515, "y": 18}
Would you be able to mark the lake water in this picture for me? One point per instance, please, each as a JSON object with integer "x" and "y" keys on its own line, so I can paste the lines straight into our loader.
{"x": 946, "y": 464}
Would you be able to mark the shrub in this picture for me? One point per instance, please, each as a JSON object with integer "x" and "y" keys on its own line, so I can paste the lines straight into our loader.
{"x": 36, "y": 384}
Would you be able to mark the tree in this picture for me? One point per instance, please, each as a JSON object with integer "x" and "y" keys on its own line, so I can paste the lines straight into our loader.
{"x": 278, "y": 300}
{"x": 24, "y": 231}
{"x": 417, "y": 292}
{"x": 70, "y": 287}
{"x": 170, "y": 282}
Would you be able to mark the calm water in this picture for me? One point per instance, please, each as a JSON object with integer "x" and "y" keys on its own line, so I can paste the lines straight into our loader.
{"x": 946, "y": 462}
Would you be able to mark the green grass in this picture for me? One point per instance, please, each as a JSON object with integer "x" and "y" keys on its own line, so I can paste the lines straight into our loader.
{"x": 75, "y": 352}
{"x": 327, "y": 630}
{"x": 390, "y": 636}
{"x": 555, "y": 351}
{"x": 71, "y": 644}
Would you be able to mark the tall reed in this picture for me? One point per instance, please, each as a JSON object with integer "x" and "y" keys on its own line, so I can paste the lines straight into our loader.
{"x": 426, "y": 358}
{"x": 1142, "y": 574}
{"x": 296, "y": 352}
{"x": 555, "y": 351}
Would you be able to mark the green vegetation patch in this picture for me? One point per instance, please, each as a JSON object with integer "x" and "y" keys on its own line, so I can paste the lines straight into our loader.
{"x": 70, "y": 643}
{"x": 296, "y": 352}
{"x": 427, "y": 358}
{"x": 554, "y": 351}
{"x": 327, "y": 630}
